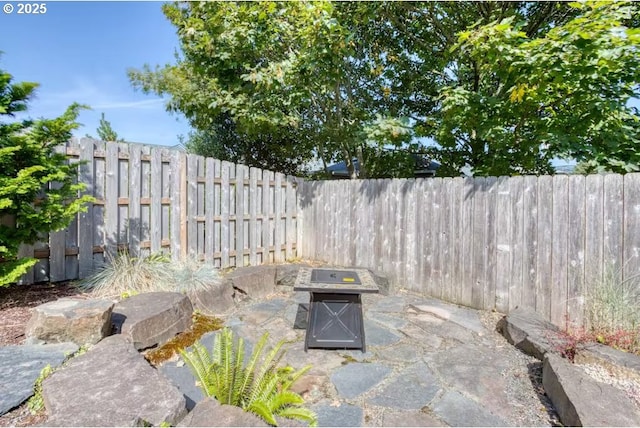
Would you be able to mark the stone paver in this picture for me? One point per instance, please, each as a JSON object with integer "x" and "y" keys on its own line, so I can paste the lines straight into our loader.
{"x": 412, "y": 389}
{"x": 428, "y": 363}
{"x": 20, "y": 366}
{"x": 356, "y": 378}
{"x": 339, "y": 415}
{"x": 404, "y": 418}
{"x": 458, "y": 410}
{"x": 376, "y": 335}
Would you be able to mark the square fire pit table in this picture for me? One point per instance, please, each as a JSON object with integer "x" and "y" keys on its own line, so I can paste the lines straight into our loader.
{"x": 335, "y": 306}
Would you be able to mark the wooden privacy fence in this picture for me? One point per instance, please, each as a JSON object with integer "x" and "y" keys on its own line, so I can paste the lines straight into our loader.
{"x": 537, "y": 242}
{"x": 153, "y": 199}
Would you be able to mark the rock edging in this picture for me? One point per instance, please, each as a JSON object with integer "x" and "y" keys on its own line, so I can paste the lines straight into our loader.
{"x": 579, "y": 399}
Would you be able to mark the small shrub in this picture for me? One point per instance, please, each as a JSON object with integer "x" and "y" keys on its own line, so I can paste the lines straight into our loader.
{"x": 261, "y": 388}
{"x": 125, "y": 276}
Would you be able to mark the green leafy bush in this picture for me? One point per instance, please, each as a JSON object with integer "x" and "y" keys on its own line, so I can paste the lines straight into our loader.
{"x": 37, "y": 189}
{"x": 124, "y": 275}
{"x": 259, "y": 387}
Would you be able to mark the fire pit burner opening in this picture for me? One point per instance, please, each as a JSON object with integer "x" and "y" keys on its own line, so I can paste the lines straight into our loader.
{"x": 330, "y": 276}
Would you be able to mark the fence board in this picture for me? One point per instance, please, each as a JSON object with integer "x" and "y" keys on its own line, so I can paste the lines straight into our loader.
{"x": 57, "y": 241}
{"x": 165, "y": 209}
{"x": 85, "y": 219}
{"x": 192, "y": 205}
{"x": 442, "y": 227}
{"x": 503, "y": 243}
{"x": 453, "y": 277}
{"x": 175, "y": 168}
{"x": 594, "y": 228}
{"x": 135, "y": 193}
{"x": 575, "y": 249}
{"x": 241, "y": 173}
{"x": 145, "y": 193}
{"x": 613, "y": 226}
{"x": 466, "y": 260}
{"x": 112, "y": 164}
{"x": 277, "y": 218}
{"x": 559, "y": 248}
{"x": 198, "y": 215}
{"x": 529, "y": 241}
{"x": 289, "y": 227}
{"x": 217, "y": 233}
{"x": 517, "y": 236}
{"x": 409, "y": 247}
{"x": 225, "y": 192}
{"x": 545, "y": 246}
{"x": 479, "y": 260}
{"x": 267, "y": 209}
{"x": 631, "y": 222}
{"x": 209, "y": 214}
{"x": 122, "y": 239}
{"x": 421, "y": 232}
{"x": 489, "y": 299}
{"x": 254, "y": 173}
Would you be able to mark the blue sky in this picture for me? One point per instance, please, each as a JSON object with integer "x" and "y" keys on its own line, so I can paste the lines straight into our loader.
{"x": 80, "y": 52}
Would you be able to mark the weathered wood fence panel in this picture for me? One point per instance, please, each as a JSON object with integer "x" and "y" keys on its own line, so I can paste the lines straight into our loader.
{"x": 490, "y": 243}
{"x": 152, "y": 199}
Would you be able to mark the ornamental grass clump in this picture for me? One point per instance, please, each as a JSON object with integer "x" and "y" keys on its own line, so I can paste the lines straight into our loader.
{"x": 612, "y": 310}
{"x": 259, "y": 387}
{"x": 124, "y": 275}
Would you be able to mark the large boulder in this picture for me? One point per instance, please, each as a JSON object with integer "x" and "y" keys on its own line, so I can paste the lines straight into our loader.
{"x": 70, "y": 320}
{"x": 213, "y": 300}
{"x": 254, "y": 282}
{"x": 111, "y": 385}
{"x": 286, "y": 274}
{"x": 582, "y": 401}
{"x": 529, "y": 332}
{"x": 210, "y": 413}
{"x": 20, "y": 366}
{"x": 151, "y": 319}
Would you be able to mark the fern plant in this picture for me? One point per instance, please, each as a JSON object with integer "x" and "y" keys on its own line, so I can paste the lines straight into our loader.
{"x": 259, "y": 387}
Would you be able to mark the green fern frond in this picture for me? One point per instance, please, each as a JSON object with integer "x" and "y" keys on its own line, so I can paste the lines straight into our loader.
{"x": 200, "y": 364}
{"x": 284, "y": 399}
{"x": 261, "y": 387}
{"x": 261, "y": 409}
{"x": 269, "y": 365}
{"x": 301, "y": 414}
{"x": 292, "y": 378}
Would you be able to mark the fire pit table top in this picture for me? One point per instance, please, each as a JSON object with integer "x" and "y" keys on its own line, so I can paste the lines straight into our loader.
{"x": 339, "y": 280}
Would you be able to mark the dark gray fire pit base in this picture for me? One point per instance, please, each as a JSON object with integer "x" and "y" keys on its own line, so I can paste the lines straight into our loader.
{"x": 335, "y": 306}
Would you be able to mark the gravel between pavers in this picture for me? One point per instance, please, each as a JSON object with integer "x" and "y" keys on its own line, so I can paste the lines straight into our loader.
{"x": 601, "y": 374}
{"x": 524, "y": 378}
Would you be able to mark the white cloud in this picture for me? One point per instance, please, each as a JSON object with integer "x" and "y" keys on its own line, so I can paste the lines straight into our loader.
{"x": 141, "y": 104}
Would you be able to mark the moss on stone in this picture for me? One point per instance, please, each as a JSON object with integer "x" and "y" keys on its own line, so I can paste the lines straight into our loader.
{"x": 201, "y": 324}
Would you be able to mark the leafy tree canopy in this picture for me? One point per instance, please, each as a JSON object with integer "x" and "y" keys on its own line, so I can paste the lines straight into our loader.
{"x": 502, "y": 87}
